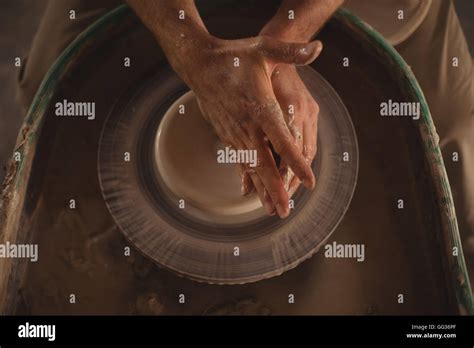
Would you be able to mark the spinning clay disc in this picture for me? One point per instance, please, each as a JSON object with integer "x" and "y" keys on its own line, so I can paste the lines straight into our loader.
{"x": 179, "y": 206}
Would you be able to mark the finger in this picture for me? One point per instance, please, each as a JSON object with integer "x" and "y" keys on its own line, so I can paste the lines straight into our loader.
{"x": 286, "y": 175}
{"x": 294, "y": 125}
{"x": 285, "y": 171}
{"x": 310, "y": 133}
{"x": 295, "y": 182}
{"x": 294, "y": 185}
{"x": 274, "y": 126}
{"x": 290, "y": 53}
{"x": 245, "y": 180}
{"x": 248, "y": 136}
{"x": 262, "y": 194}
{"x": 270, "y": 176}
{"x": 290, "y": 181}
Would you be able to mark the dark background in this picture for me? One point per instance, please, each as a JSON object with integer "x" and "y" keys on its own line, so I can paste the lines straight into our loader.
{"x": 18, "y": 22}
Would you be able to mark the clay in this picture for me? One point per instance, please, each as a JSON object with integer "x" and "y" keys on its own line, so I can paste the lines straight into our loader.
{"x": 168, "y": 213}
{"x": 186, "y": 151}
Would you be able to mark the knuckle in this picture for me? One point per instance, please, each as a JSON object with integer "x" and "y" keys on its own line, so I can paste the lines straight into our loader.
{"x": 309, "y": 152}
{"x": 290, "y": 51}
{"x": 315, "y": 108}
{"x": 246, "y": 124}
{"x": 263, "y": 111}
{"x": 298, "y": 105}
{"x": 281, "y": 146}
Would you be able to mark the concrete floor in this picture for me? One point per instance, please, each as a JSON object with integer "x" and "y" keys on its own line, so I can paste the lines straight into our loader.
{"x": 18, "y": 22}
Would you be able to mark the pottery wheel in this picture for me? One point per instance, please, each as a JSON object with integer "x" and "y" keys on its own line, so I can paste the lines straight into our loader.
{"x": 177, "y": 205}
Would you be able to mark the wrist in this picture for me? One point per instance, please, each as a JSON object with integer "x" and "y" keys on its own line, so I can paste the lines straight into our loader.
{"x": 187, "y": 51}
{"x": 179, "y": 30}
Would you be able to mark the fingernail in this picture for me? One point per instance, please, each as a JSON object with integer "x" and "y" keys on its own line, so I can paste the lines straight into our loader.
{"x": 316, "y": 47}
{"x": 282, "y": 212}
{"x": 311, "y": 52}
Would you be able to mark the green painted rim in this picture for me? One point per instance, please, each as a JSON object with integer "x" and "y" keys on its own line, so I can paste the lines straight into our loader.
{"x": 459, "y": 275}
{"x": 33, "y": 121}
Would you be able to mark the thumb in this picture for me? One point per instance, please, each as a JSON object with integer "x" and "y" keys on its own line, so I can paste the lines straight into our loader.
{"x": 290, "y": 53}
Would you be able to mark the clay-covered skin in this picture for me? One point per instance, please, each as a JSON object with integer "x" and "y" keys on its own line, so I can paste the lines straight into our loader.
{"x": 237, "y": 99}
{"x": 308, "y": 17}
{"x": 245, "y": 88}
{"x": 302, "y": 121}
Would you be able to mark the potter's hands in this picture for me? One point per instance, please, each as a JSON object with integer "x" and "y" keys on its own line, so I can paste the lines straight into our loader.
{"x": 300, "y": 111}
{"x": 301, "y": 115}
{"x": 233, "y": 83}
{"x": 239, "y": 101}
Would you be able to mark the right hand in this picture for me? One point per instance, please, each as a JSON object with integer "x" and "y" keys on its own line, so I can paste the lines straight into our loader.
{"x": 232, "y": 80}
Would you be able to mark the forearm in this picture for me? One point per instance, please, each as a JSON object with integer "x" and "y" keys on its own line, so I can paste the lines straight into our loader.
{"x": 309, "y": 17}
{"x": 177, "y": 26}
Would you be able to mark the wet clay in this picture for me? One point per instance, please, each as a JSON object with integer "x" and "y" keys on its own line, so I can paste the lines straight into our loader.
{"x": 180, "y": 232}
{"x": 186, "y": 154}
{"x": 82, "y": 252}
